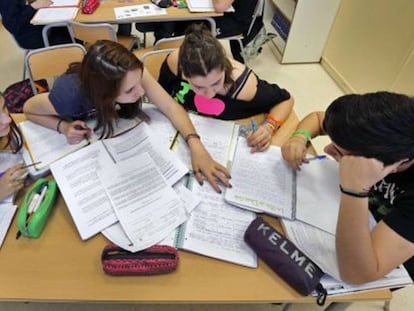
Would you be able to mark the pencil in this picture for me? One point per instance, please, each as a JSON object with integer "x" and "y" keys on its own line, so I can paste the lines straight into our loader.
{"x": 174, "y": 140}
{"x": 32, "y": 164}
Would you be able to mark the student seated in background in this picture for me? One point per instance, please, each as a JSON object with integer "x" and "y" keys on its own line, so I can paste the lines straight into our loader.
{"x": 12, "y": 179}
{"x": 203, "y": 79}
{"x": 373, "y": 141}
{"x": 16, "y": 16}
{"x": 227, "y": 25}
{"x": 109, "y": 78}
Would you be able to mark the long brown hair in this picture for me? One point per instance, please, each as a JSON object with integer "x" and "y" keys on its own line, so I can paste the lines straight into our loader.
{"x": 14, "y": 139}
{"x": 101, "y": 73}
{"x": 201, "y": 53}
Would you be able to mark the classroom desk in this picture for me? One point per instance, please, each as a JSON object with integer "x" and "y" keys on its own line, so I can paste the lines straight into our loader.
{"x": 60, "y": 267}
{"x": 105, "y": 14}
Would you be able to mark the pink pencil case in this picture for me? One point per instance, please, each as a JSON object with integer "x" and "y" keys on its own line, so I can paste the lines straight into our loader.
{"x": 156, "y": 259}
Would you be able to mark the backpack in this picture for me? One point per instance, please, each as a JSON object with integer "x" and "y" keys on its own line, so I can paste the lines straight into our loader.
{"x": 16, "y": 94}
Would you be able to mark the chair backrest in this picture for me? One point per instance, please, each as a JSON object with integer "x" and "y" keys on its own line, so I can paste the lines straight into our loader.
{"x": 90, "y": 33}
{"x": 52, "y": 61}
{"x": 258, "y": 11}
{"x": 153, "y": 60}
{"x": 169, "y": 43}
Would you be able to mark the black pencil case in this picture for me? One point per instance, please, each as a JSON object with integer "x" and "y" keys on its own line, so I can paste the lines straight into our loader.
{"x": 284, "y": 258}
{"x": 156, "y": 259}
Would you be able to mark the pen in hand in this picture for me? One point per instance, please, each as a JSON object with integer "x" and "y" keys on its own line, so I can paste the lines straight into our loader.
{"x": 318, "y": 157}
{"x": 253, "y": 124}
{"x": 81, "y": 128}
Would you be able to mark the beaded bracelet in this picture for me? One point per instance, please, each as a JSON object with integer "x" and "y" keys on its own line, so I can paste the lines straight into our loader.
{"x": 303, "y": 132}
{"x": 58, "y": 126}
{"x": 354, "y": 194}
{"x": 271, "y": 126}
{"x": 191, "y": 135}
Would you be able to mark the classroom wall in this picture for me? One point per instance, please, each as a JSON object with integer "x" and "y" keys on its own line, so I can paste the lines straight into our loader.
{"x": 371, "y": 46}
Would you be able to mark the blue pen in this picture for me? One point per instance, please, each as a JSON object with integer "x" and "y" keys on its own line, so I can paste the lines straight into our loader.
{"x": 253, "y": 124}
{"x": 318, "y": 157}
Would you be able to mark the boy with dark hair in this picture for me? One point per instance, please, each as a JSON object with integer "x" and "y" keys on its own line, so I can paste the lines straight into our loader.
{"x": 373, "y": 141}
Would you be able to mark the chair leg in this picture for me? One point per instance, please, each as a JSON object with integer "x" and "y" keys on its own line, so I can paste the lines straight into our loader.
{"x": 387, "y": 305}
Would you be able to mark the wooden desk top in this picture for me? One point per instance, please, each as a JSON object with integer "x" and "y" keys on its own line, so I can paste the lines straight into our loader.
{"x": 105, "y": 13}
{"x": 59, "y": 266}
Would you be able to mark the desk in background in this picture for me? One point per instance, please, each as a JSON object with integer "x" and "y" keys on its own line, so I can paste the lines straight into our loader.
{"x": 105, "y": 14}
{"x": 59, "y": 266}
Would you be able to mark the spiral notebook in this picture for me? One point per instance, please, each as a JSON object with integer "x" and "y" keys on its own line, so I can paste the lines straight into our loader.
{"x": 262, "y": 182}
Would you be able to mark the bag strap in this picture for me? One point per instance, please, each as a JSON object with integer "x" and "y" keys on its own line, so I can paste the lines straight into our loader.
{"x": 322, "y": 293}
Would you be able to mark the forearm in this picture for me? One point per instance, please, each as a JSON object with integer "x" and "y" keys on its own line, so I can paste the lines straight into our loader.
{"x": 281, "y": 111}
{"x": 312, "y": 123}
{"x": 355, "y": 250}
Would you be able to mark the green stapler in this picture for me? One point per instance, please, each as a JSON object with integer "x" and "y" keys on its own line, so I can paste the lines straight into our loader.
{"x": 35, "y": 209}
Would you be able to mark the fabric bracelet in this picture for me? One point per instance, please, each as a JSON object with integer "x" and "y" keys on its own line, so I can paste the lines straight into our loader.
{"x": 275, "y": 120}
{"x": 303, "y": 132}
{"x": 191, "y": 135}
{"x": 354, "y": 194}
{"x": 58, "y": 126}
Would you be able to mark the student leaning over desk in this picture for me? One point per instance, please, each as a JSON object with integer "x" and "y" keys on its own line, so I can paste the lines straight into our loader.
{"x": 202, "y": 78}
{"x": 109, "y": 83}
{"x": 12, "y": 179}
{"x": 373, "y": 141}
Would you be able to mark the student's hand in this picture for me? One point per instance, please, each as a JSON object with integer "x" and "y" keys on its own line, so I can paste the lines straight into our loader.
{"x": 204, "y": 165}
{"x": 359, "y": 174}
{"x": 294, "y": 152}
{"x": 75, "y": 131}
{"x": 260, "y": 140}
{"x": 12, "y": 180}
{"x": 41, "y": 4}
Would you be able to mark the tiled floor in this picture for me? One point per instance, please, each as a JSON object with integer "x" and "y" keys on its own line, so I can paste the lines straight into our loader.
{"x": 313, "y": 90}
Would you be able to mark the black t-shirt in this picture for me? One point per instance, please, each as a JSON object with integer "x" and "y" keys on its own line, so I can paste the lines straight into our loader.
{"x": 223, "y": 107}
{"x": 393, "y": 202}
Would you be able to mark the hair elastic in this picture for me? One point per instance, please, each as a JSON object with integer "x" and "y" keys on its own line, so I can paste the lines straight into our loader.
{"x": 354, "y": 194}
{"x": 191, "y": 135}
{"x": 58, "y": 126}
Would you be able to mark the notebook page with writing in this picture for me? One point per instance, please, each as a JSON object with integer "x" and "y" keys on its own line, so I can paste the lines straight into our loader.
{"x": 46, "y": 145}
{"x": 53, "y": 15}
{"x": 318, "y": 194}
{"x": 219, "y": 138}
{"x": 216, "y": 229}
{"x": 262, "y": 181}
{"x": 7, "y": 211}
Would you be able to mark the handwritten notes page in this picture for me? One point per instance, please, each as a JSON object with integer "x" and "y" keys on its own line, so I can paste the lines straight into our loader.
{"x": 45, "y": 144}
{"x": 148, "y": 209}
{"x": 216, "y": 229}
{"x": 7, "y": 211}
{"x": 219, "y": 137}
{"x": 262, "y": 181}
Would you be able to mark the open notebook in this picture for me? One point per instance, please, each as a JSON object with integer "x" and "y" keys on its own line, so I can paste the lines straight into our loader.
{"x": 262, "y": 182}
{"x": 46, "y": 145}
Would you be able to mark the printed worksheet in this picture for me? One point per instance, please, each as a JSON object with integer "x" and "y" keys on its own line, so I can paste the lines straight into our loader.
{"x": 125, "y": 12}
